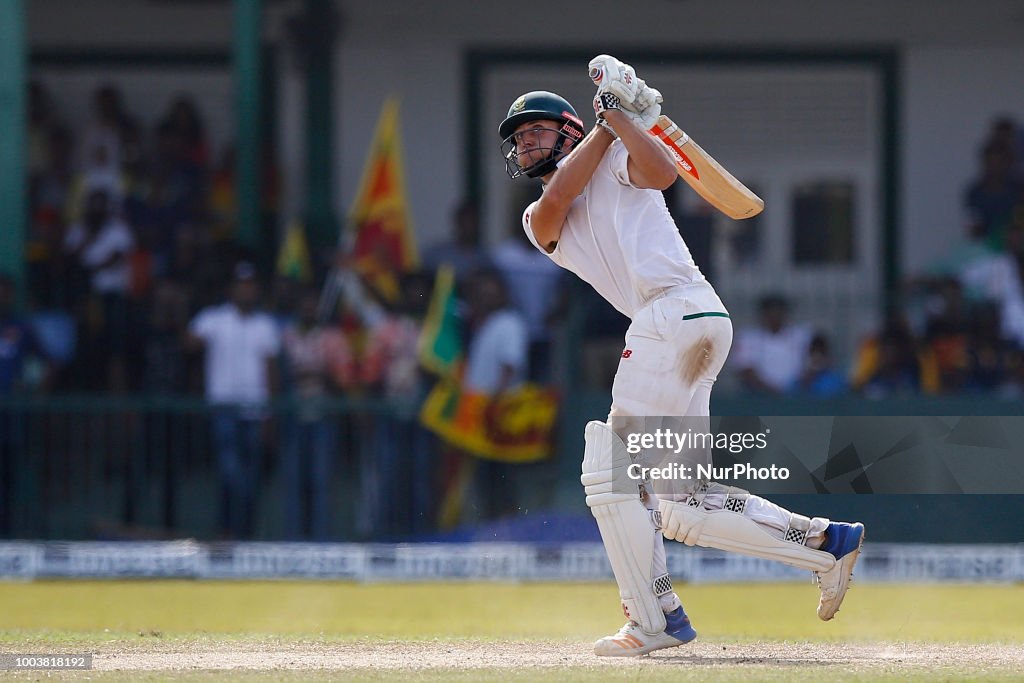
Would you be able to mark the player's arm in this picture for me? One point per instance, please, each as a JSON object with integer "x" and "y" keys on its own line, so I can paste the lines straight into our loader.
{"x": 649, "y": 163}
{"x": 628, "y": 105}
{"x": 574, "y": 172}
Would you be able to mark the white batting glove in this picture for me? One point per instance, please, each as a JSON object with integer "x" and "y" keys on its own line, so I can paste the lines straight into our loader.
{"x": 645, "y": 119}
{"x": 615, "y": 77}
{"x": 607, "y": 101}
{"x": 645, "y": 97}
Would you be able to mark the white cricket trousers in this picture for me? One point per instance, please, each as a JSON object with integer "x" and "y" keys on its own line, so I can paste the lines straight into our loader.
{"x": 675, "y": 348}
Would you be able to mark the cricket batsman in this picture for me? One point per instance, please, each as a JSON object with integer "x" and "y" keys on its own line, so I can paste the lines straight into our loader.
{"x": 602, "y": 216}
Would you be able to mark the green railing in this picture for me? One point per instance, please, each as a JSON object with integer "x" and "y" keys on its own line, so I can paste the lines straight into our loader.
{"x": 116, "y": 467}
{"x": 83, "y": 467}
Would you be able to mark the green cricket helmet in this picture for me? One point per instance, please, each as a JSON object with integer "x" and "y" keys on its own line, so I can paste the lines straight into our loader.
{"x": 538, "y": 105}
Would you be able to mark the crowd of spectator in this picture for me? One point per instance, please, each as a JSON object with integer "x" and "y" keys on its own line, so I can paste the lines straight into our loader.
{"x": 136, "y": 283}
{"x": 129, "y": 233}
{"x": 957, "y": 329}
{"x": 962, "y": 327}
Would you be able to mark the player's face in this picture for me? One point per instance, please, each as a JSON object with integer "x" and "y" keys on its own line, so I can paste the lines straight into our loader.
{"x": 534, "y": 140}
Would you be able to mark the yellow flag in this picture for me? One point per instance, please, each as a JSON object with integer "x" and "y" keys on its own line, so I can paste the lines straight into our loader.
{"x": 293, "y": 259}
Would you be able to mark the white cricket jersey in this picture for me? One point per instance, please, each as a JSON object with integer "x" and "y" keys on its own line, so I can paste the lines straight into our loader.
{"x": 621, "y": 239}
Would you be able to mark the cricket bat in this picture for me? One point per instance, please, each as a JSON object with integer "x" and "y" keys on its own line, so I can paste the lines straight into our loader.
{"x": 705, "y": 175}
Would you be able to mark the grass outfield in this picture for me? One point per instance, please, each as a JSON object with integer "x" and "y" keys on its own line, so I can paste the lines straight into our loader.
{"x": 157, "y": 630}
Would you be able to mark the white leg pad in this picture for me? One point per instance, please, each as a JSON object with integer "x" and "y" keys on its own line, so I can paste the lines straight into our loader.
{"x": 730, "y": 530}
{"x": 628, "y": 529}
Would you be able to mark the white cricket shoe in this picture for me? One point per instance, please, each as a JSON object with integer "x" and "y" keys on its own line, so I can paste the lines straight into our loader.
{"x": 631, "y": 641}
{"x": 844, "y": 541}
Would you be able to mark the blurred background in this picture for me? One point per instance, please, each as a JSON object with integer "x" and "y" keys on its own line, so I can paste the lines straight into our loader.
{"x": 255, "y": 254}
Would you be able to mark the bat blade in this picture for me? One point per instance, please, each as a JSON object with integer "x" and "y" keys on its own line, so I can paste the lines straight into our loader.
{"x": 705, "y": 175}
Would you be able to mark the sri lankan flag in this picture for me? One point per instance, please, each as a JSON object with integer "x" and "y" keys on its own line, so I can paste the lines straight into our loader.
{"x": 440, "y": 342}
{"x": 384, "y": 245}
{"x": 516, "y": 426}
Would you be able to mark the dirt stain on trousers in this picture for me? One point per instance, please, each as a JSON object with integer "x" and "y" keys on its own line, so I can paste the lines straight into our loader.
{"x": 695, "y": 361}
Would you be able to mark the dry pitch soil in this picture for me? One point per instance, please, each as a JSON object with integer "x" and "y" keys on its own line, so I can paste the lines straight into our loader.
{"x": 469, "y": 655}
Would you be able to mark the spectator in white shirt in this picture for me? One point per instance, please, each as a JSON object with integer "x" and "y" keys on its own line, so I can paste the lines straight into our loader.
{"x": 241, "y": 347}
{"x": 496, "y": 362}
{"x": 532, "y": 280}
{"x": 771, "y": 357}
{"x": 99, "y": 245}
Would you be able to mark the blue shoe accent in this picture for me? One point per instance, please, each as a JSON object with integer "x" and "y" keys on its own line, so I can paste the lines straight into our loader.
{"x": 678, "y": 625}
{"x": 843, "y": 538}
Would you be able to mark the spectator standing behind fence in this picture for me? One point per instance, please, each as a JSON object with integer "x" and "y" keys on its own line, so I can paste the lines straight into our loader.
{"x": 461, "y": 251}
{"x": 99, "y": 245}
{"x": 242, "y": 345}
{"x": 162, "y": 202}
{"x": 51, "y": 172}
{"x": 994, "y": 195}
{"x": 531, "y": 279}
{"x": 1005, "y": 131}
{"x": 183, "y": 117}
{"x": 946, "y": 335}
{"x": 164, "y": 366}
{"x": 106, "y": 128}
{"x": 999, "y": 279}
{"x": 771, "y": 357}
{"x": 18, "y": 344}
{"x": 390, "y": 362}
{"x": 48, "y": 196}
{"x": 991, "y": 358}
{"x": 892, "y": 363}
{"x": 403, "y": 465}
{"x": 100, "y": 172}
{"x": 318, "y": 363}
{"x": 191, "y": 154}
{"x": 819, "y": 378}
{"x": 496, "y": 361}
{"x": 42, "y": 121}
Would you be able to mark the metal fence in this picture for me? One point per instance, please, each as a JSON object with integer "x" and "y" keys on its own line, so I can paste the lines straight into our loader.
{"x": 90, "y": 467}
{"x": 102, "y": 467}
